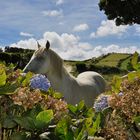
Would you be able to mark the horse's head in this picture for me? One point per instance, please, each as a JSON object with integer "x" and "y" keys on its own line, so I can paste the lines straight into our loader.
{"x": 40, "y": 60}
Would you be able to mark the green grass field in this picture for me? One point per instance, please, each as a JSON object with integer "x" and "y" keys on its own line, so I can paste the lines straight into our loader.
{"x": 112, "y": 60}
{"x": 124, "y": 64}
{"x": 117, "y": 60}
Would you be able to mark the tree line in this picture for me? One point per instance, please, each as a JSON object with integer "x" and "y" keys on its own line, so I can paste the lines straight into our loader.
{"x": 17, "y": 56}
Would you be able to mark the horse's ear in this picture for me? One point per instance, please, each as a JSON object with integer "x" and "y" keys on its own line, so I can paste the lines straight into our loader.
{"x": 47, "y": 45}
{"x": 38, "y": 45}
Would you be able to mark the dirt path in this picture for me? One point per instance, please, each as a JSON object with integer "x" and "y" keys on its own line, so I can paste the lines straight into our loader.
{"x": 69, "y": 68}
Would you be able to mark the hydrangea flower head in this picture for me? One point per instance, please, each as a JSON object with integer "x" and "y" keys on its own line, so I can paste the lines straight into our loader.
{"x": 101, "y": 103}
{"x": 40, "y": 82}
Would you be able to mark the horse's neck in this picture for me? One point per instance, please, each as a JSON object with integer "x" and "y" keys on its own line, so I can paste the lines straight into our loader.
{"x": 63, "y": 82}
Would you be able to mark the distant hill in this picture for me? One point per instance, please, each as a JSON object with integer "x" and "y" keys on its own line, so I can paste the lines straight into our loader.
{"x": 113, "y": 60}
{"x": 116, "y": 60}
{"x": 108, "y": 65}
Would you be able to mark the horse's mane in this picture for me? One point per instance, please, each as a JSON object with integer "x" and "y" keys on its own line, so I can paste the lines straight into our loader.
{"x": 56, "y": 62}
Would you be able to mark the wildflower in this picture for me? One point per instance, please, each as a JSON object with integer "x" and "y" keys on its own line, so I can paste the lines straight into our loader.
{"x": 40, "y": 82}
{"x": 101, "y": 103}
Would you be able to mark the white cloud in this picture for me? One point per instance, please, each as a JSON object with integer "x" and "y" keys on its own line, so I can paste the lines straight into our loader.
{"x": 115, "y": 48}
{"x": 26, "y": 34}
{"x": 53, "y": 13}
{"x": 59, "y": 2}
{"x": 69, "y": 46}
{"x": 81, "y": 27}
{"x": 26, "y": 44}
{"x": 108, "y": 28}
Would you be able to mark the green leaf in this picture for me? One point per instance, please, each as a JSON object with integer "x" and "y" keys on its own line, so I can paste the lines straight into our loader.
{"x": 39, "y": 125}
{"x": 26, "y": 81}
{"x": 133, "y": 75}
{"x": 116, "y": 84}
{"x": 81, "y": 105}
{"x": 9, "y": 123}
{"x": 137, "y": 119}
{"x": 62, "y": 127}
{"x": 20, "y": 136}
{"x": 83, "y": 135}
{"x": 72, "y": 108}
{"x": 62, "y": 130}
{"x": 3, "y": 76}
{"x": 88, "y": 122}
{"x": 8, "y": 89}
{"x": 33, "y": 112}
{"x": 95, "y": 127}
{"x": 20, "y": 79}
{"x": 90, "y": 113}
{"x": 134, "y": 61}
{"x": 57, "y": 95}
{"x": 11, "y": 66}
{"x": 45, "y": 116}
{"x": 27, "y": 123}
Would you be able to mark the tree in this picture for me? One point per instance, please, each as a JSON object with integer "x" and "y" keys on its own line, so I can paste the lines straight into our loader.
{"x": 17, "y": 50}
{"x": 122, "y": 11}
{"x": 1, "y": 50}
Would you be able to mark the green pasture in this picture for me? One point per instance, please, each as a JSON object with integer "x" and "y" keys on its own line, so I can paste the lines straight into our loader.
{"x": 112, "y": 60}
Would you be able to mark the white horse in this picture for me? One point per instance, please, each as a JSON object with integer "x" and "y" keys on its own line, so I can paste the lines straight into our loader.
{"x": 87, "y": 86}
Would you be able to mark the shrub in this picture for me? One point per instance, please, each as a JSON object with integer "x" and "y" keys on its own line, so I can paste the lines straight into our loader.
{"x": 29, "y": 113}
{"x": 81, "y": 67}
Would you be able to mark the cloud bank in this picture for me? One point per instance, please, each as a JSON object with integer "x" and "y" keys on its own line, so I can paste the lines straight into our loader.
{"x": 108, "y": 28}
{"x": 69, "y": 46}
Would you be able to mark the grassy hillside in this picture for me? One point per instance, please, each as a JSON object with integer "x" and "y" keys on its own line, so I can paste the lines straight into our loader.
{"x": 108, "y": 65}
{"x": 113, "y": 59}
{"x": 119, "y": 60}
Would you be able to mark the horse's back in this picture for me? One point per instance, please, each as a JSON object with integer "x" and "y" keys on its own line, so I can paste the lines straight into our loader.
{"x": 92, "y": 79}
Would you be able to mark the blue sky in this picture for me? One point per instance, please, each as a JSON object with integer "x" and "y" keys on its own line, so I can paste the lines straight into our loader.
{"x": 77, "y": 29}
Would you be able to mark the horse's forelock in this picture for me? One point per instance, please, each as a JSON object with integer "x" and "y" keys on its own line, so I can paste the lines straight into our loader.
{"x": 39, "y": 52}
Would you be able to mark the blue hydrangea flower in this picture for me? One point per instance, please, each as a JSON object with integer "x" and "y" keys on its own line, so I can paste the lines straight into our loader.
{"x": 101, "y": 103}
{"x": 40, "y": 82}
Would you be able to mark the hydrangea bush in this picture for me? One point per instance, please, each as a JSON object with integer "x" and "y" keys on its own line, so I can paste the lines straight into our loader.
{"x": 30, "y": 109}
{"x": 124, "y": 120}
